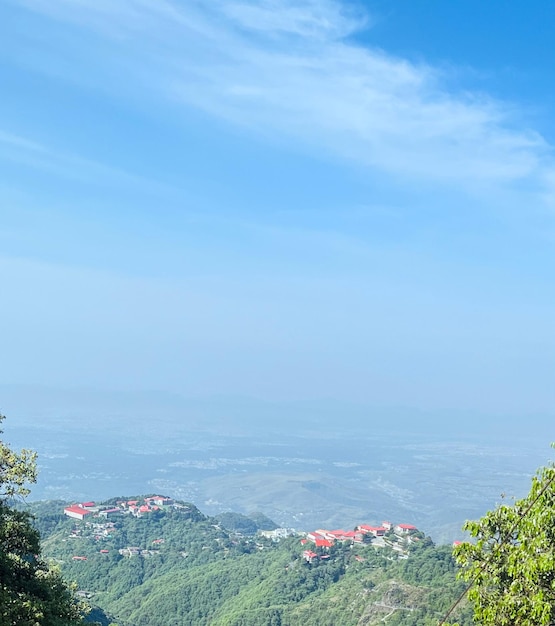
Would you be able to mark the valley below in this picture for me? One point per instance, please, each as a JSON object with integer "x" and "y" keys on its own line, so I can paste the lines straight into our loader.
{"x": 300, "y": 471}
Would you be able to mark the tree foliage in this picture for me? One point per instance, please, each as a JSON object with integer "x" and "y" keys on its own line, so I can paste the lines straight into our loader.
{"x": 511, "y": 563}
{"x": 31, "y": 594}
{"x": 193, "y": 572}
{"x": 237, "y": 523}
{"x": 17, "y": 470}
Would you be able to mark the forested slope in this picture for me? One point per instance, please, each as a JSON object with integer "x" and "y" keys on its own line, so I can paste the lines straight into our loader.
{"x": 178, "y": 567}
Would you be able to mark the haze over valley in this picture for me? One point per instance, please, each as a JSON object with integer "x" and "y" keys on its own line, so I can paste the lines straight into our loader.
{"x": 303, "y": 465}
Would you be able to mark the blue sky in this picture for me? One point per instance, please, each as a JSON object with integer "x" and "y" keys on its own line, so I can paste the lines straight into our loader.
{"x": 281, "y": 199}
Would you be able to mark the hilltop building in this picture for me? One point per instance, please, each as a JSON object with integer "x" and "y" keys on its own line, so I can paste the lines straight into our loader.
{"x": 77, "y": 511}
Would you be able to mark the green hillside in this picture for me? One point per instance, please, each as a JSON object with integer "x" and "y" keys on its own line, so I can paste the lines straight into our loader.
{"x": 175, "y": 566}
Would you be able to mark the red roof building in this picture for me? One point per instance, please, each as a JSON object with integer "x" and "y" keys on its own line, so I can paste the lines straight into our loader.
{"x": 354, "y": 535}
{"x": 338, "y": 535}
{"x": 309, "y": 556}
{"x": 159, "y": 500}
{"x": 405, "y": 529}
{"x": 342, "y": 535}
{"x": 332, "y": 536}
{"x": 76, "y": 512}
{"x": 313, "y": 536}
{"x": 377, "y": 531}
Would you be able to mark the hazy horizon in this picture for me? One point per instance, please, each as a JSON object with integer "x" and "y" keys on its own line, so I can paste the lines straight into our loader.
{"x": 304, "y": 464}
{"x": 280, "y": 200}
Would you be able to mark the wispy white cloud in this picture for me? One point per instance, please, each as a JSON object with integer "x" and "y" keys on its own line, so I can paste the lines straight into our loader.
{"x": 290, "y": 69}
{"x": 311, "y": 19}
{"x": 20, "y": 143}
{"x": 26, "y": 151}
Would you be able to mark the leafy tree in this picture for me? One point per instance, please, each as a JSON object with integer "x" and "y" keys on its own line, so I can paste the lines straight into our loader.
{"x": 511, "y": 564}
{"x": 31, "y": 594}
{"x": 16, "y": 470}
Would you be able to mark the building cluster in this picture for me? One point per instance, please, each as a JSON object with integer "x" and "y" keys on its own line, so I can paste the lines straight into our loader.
{"x": 278, "y": 533}
{"x": 363, "y": 533}
{"x": 130, "y": 507}
{"x": 387, "y": 534}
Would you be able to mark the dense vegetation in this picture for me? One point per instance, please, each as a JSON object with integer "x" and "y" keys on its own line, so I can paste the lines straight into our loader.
{"x": 31, "y": 593}
{"x": 190, "y": 570}
{"x": 175, "y": 566}
{"x": 511, "y": 562}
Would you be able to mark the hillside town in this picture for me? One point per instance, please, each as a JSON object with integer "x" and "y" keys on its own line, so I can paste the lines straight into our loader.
{"x": 137, "y": 508}
{"x": 316, "y": 544}
{"x": 397, "y": 537}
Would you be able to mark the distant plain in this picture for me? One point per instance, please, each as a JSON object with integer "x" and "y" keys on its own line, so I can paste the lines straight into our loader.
{"x": 305, "y": 466}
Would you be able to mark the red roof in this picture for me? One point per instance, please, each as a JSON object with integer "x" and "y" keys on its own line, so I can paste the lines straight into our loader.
{"x": 310, "y": 554}
{"x": 86, "y": 504}
{"x": 75, "y": 508}
{"x": 342, "y": 534}
{"x": 104, "y": 551}
{"x": 323, "y": 543}
{"x": 407, "y": 526}
{"x": 315, "y": 535}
